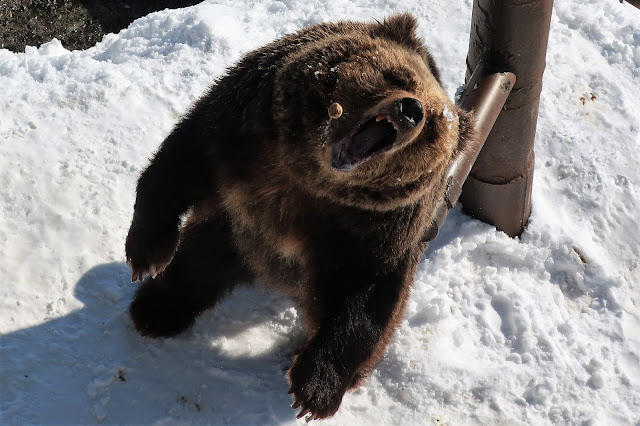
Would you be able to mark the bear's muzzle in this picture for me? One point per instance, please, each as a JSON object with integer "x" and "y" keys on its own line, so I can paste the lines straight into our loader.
{"x": 387, "y": 126}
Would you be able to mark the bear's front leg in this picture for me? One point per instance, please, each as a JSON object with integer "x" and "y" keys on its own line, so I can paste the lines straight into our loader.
{"x": 362, "y": 308}
{"x": 180, "y": 175}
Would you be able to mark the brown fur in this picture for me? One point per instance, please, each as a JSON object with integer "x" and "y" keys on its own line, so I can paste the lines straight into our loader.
{"x": 260, "y": 168}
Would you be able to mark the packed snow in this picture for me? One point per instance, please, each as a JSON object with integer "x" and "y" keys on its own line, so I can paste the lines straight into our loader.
{"x": 540, "y": 329}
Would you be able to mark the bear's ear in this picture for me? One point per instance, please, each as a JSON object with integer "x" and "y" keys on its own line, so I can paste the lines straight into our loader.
{"x": 401, "y": 28}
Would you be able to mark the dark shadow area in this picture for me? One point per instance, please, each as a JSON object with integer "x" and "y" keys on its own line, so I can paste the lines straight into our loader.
{"x": 78, "y": 24}
{"x": 91, "y": 365}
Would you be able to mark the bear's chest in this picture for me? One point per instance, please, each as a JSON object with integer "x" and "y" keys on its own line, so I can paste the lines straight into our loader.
{"x": 283, "y": 233}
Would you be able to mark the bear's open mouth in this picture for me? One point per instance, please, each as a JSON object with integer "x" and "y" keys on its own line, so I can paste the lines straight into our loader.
{"x": 373, "y": 137}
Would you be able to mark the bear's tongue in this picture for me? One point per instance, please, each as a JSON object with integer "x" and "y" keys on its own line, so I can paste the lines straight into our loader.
{"x": 372, "y": 137}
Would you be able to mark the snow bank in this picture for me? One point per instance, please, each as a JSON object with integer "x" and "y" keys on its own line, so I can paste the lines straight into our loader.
{"x": 540, "y": 329}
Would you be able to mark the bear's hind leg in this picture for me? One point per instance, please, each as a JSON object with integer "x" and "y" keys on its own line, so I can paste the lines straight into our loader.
{"x": 205, "y": 268}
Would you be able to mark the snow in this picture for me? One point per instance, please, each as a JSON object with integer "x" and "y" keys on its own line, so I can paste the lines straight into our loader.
{"x": 540, "y": 329}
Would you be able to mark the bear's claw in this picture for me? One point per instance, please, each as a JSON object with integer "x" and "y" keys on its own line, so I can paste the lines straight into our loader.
{"x": 138, "y": 274}
{"x": 303, "y": 413}
{"x": 149, "y": 250}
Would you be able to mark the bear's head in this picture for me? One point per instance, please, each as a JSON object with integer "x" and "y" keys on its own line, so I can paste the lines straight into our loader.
{"x": 398, "y": 130}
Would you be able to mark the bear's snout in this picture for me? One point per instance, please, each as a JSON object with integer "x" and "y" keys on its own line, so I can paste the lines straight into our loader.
{"x": 410, "y": 109}
{"x": 389, "y": 125}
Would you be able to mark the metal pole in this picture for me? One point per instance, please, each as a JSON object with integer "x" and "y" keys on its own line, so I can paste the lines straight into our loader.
{"x": 508, "y": 35}
{"x": 485, "y": 95}
{"x": 635, "y": 3}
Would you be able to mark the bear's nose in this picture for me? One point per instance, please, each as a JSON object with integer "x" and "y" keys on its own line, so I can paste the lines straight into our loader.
{"x": 411, "y": 109}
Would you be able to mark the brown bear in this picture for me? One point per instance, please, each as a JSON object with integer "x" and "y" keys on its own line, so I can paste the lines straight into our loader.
{"x": 313, "y": 167}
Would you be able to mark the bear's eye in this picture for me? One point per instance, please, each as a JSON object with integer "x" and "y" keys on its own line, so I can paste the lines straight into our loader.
{"x": 398, "y": 79}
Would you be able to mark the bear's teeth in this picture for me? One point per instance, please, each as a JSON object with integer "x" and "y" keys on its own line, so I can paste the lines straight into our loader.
{"x": 382, "y": 117}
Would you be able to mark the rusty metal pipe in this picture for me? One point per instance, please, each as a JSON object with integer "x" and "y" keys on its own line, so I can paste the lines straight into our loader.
{"x": 485, "y": 96}
{"x": 635, "y": 3}
{"x": 508, "y": 35}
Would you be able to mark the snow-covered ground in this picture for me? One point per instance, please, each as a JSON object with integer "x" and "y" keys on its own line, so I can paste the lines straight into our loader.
{"x": 540, "y": 329}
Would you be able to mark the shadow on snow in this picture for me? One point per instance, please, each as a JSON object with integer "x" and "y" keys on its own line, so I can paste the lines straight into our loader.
{"x": 92, "y": 365}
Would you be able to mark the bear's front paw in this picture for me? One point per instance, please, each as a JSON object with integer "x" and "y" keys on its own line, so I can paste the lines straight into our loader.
{"x": 149, "y": 248}
{"x": 161, "y": 310}
{"x": 316, "y": 384}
